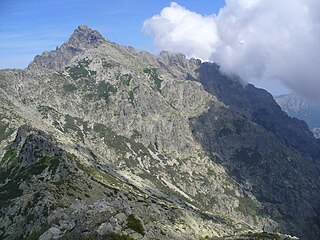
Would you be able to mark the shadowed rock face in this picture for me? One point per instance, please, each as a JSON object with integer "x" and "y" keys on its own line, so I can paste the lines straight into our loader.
{"x": 122, "y": 144}
{"x": 259, "y": 106}
{"x": 82, "y": 39}
{"x": 29, "y": 140}
{"x": 272, "y": 155}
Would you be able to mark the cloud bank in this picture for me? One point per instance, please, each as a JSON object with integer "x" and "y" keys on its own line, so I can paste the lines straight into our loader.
{"x": 255, "y": 39}
{"x": 177, "y": 29}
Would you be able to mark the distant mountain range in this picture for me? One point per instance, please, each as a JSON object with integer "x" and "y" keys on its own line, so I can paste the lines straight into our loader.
{"x": 302, "y": 108}
{"x": 103, "y": 141}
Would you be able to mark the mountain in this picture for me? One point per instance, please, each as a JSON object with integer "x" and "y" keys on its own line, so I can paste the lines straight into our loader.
{"x": 302, "y": 108}
{"x": 110, "y": 142}
{"x": 82, "y": 39}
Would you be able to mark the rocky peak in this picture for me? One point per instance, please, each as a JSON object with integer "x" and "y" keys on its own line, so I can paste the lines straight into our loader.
{"x": 82, "y": 39}
{"x": 173, "y": 58}
{"x": 29, "y": 140}
{"x": 173, "y": 62}
{"x": 85, "y": 38}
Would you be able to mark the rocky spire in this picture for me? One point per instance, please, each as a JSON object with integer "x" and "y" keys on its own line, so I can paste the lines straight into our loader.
{"x": 85, "y": 38}
{"x": 82, "y": 39}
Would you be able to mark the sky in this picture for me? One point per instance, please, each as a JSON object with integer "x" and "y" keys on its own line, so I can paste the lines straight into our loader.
{"x": 273, "y": 44}
{"x": 29, "y": 27}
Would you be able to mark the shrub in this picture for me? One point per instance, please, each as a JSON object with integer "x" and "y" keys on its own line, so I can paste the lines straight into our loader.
{"x": 69, "y": 87}
{"x": 135, "y": 224}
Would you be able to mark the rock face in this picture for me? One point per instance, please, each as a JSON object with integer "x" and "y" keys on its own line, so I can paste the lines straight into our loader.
{"x": 82, "y": 39}
{"x": 273, "y": 147}
{"x": 109, "y": 142}
{"x": 301, "y": 108}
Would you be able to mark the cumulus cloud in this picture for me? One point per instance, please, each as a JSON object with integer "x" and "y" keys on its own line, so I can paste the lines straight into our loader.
{"x": 177, "y": 29}
{"x": 255, "y": 39}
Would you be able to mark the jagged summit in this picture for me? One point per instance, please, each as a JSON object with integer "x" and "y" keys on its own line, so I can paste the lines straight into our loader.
{"x": 85, "y": 37}
{"x": 83, "y": 28}
{"x": 82, "y": 39}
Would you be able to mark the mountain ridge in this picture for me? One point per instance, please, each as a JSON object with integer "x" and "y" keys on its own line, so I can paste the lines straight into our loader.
{"x": 162, "y": 131}
{"x": 82, "y": 39}
{"x": 301, "y": 108}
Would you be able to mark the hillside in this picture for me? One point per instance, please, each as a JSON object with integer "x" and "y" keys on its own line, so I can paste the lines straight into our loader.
{"x": 102, "y": 141}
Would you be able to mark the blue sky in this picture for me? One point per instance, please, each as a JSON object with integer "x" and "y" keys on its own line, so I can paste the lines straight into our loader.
{"x": 276, "y": 57}
{"x": 29, "y": 27}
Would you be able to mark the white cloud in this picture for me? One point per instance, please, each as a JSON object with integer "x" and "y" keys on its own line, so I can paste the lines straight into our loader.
{"x": 256, "y": 39}
{"x": 177, "y": 29}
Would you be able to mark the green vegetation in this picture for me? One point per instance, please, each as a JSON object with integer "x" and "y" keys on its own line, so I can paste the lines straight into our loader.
{"x": 109, "y": 64}
{"x": 89, "y": 96}
{"x": 4, "y": 174}
{"x": 100, "y": 176}
{"x": 135, "y": 224}
{"x": 53, "y": 164}
{"x": 74, "y": 125}
{"x": 122, "y": 145}
{"x": 135, "y": 135}
{"x": 112, "y": 139}
{"x": 44, "y": 110}
{"x": 104, "y": 90}
{"x": 71, "y": 123}
{"x": 80, "y": 70}
{"x": 126, "y": 79}
{"x": 37, "y": 168}
{"x": 10, "y": 156}
{"x": 248, "y": 155}
{"x": 88, "y": 84}
{"x": 153, "y": 74}
{"x": 229, "y": 191}
{"x": 34, "y": 235}
{"x": 211, "y": 173}
{"x": 69, "y": 87}
{"x": 222, "y": 128}
{"x": 5, "y": 131}
{"x": 116, "y": 236}
{"x": 248, "y": 207}
{"x": 11, "y": 189}
{"x": 241, "y": 125}
{"x": 131, "y": 95}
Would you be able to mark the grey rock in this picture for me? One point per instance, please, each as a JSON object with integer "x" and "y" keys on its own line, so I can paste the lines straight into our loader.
{"x": 51, "y": 233}
{"x": 136, "y": 235}
{"x": 121, "y": 217}
{"x": 82, "y": 39}
{"x": 105, "y": 228}
{"x": 66, "y": 225}
{"x": 113, "y": 220}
